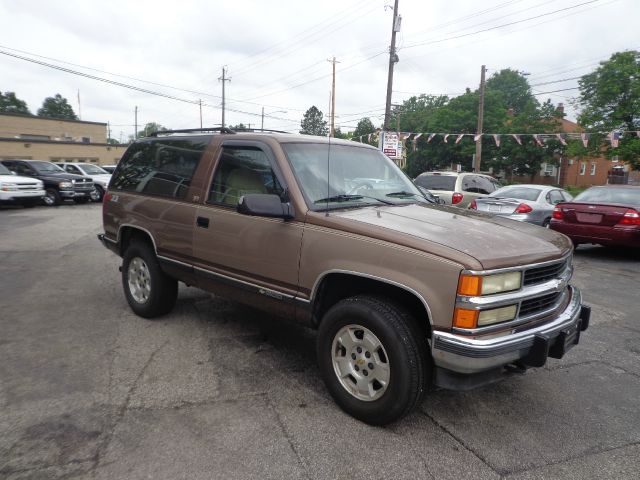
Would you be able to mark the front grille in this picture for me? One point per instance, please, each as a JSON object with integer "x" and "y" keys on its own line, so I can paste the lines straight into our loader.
{"x": 83, "y": 186}
{"x": 28, "y": 186}
{"x": 543, "y": 274}
{"x": 539, "y": 304}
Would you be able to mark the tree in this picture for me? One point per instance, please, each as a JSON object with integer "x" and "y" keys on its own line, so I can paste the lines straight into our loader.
{"x": 313, "y": 123}
{"x": 610, "y": 100}
{"x": 240, "y": 126}
{"x": 57, "y": 107}
{"x": 9, "y": 103}
{"x": 149, "y": 128}
{"x": 363, "y": 129}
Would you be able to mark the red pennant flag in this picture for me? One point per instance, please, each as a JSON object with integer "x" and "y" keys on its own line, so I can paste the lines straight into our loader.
{"x": 536, "y": 138}
{"x": 431, "y": 137}
{"x": 459, "y": 138}
{"x": 561, "y": 138}
{"x": 517, "y": 138}
{"x": 446, "y": 136}
{"x": 585, "y": 139}
{"x": 496, "y": 138}
{"x": 417, "y": 137}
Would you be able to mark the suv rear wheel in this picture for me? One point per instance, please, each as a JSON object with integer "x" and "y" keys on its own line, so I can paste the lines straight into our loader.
{"x": 149, "y": 291}
{"x": 372, "y": 359}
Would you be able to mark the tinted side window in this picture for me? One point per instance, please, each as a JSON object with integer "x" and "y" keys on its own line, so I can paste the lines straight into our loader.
{"x": 554, "y": 196}
{"x": 484, "y": 185}
{"x": 243, "y": 170}
{"x": 22, "y": 169}
{"x": 162, "y": 167}
{"x": 470, "y": 184}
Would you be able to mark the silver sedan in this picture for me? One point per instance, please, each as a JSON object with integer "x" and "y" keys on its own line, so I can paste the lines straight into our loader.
{"x": 526, "y": 203}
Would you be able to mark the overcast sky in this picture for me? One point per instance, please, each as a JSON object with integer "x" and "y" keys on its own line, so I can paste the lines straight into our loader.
{"x": 277, "y": 52}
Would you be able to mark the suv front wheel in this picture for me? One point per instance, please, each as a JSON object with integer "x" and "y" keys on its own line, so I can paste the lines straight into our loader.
{"x": 372, "y": 358}
{"x": 149, "y": 291}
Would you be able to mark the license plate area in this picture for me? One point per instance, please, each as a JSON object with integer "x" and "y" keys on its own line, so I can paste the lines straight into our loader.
{"x": 565, "y": 341}
{"x": 589, "y": 217}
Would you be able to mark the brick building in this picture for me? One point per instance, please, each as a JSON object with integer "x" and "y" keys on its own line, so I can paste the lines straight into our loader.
{"x": 38, "y": 138}
{"x": 581, "y": 172}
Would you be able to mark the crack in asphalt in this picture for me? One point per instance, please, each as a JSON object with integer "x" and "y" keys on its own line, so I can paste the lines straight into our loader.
{"x": 467, "y": 447}
{"x": 120, "y": 413}
{"x": 305, "y": 467}
{"x": 80, "y": 461}
{"x": 569, "y": 459}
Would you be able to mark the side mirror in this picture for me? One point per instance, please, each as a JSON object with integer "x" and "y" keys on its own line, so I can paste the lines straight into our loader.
{"x": 13, "y": 173}
{"x": 264, "y": 205}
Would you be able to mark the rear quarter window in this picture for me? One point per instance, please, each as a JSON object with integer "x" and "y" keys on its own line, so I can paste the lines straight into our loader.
{"x": 437, "y": 182}
{"x": 163, "y": 167}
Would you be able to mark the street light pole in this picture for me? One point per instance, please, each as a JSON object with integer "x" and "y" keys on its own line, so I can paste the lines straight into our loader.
{"x": 478, "y": 158}
{"x": 393, "y": 59}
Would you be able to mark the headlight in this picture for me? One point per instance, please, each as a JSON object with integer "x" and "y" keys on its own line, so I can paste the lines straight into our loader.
{"x": 497, "y": 315}
{"x": 8, "y": 187}
{"x": 65, "y": 184}
{"x": 467, "y": 318}
{"x": 474, "y": 285}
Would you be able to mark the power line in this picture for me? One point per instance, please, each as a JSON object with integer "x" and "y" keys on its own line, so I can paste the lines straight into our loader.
{"x": 499, "y": 26}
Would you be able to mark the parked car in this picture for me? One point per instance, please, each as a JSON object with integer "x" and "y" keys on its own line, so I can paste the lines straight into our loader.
{"x": 457, "y": 189}
{"x": 59, "y": 185}
{"x": 331, "y": 233}
{"x": 607, "y": 215}
{"x": 108, "y": 168}
{"x": 99, "y": 176}
{"x": 18, "y": 190}
{"x": 526, "y": 203}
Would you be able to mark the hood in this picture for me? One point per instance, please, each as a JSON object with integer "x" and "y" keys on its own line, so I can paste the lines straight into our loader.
{"x": 63, "y": 176}
{"x": 17, "y": 179}
{"x": 495, "y": 242}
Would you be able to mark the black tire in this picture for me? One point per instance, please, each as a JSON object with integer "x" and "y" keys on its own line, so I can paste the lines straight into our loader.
{"x": 161, "y": 290}
{"x": 52, "y": 198}
{"x": 546, "y": 223}
{"x": 100, "y": 193}
{"x": 81, "y": 200}
{"x": 404, "y": 349}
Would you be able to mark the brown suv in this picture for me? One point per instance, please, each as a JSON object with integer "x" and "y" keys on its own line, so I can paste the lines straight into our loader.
{"x": 404, "y": 293}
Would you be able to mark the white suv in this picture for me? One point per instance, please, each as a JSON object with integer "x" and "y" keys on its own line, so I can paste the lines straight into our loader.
{"x": 457, "y": 189}
{"x": 101, "y": 178}
{"x": 19, "y": 190}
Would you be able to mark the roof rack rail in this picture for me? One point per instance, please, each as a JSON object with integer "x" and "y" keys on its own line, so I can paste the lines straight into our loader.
{"x": 257, "y": 130}
{"x": 192, "y": 130}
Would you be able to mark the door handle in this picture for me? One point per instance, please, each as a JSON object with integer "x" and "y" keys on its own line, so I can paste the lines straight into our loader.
{"x": 202, "y": 222}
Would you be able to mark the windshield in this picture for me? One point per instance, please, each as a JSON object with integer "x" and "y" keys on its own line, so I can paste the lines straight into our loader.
{"x": 629, "y": 196}
{"x": 437, "y": 182}
{"x": 4, "y": 170}
{"x": 93, "y": 170}
{"x": 520, "y": 193}
{"x": 339, "y": 175}
{"x": 46, "y": 167}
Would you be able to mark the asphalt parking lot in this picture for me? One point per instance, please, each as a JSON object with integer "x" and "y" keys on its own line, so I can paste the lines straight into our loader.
{"x": 218, "y": 390}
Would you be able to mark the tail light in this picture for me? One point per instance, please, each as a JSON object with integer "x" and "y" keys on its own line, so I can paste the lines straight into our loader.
{"x": 105, "y": 198}
{"x": 523, "y": 208}
{"x": 557, "y": 213}
{"x": 473, "y": 205}
{"x": 456, "y": 198}
{"x": 630, "y": 217}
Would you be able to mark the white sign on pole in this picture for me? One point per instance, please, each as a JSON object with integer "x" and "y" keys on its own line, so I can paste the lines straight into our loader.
{"x": 391, "y": 145}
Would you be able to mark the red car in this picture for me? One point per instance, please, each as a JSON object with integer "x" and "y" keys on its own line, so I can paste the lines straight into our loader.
{"x": 608, "y": 215}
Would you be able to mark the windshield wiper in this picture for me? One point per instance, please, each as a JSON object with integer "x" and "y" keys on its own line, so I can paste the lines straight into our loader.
{"x": 403, "y": 194}
{"x": 347, "y": 198}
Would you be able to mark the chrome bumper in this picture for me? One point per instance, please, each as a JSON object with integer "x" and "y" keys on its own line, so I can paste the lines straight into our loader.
{"x": 532, "y": 347}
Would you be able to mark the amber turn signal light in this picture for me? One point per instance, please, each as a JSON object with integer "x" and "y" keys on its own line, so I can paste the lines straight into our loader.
{"x": 463, "y": 318}
{"x": 470, "y": 285}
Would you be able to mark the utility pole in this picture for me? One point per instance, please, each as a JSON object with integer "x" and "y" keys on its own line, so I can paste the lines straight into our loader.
{"x": 262, "y": 121}
{"x": 393, "y": 59}
{"x": 478, "y": 158}
{"x": 135, "y": 134}
{"x": 223, "y": 78}
{"x": 108, "y": 131}
{"x": 332, "y": 130}
{"x": 200, "y": 102}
